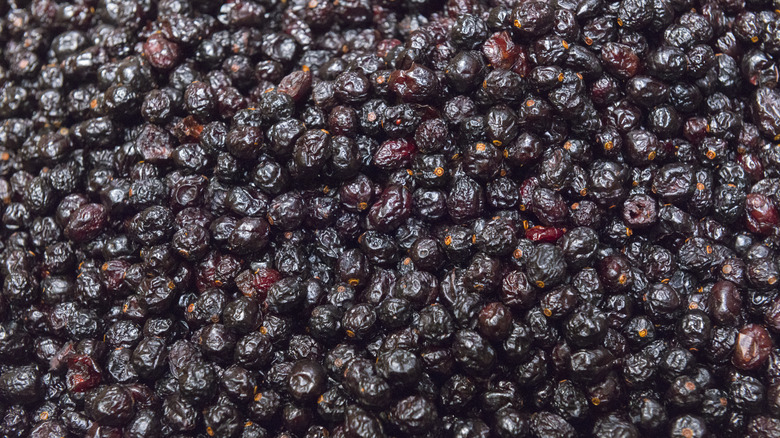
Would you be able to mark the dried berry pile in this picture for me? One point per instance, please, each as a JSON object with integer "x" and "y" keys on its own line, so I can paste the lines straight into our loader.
{"x": 360, "y": 219}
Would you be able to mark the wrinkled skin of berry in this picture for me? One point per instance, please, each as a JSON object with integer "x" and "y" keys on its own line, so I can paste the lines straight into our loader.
{"x": 356, "y": 218}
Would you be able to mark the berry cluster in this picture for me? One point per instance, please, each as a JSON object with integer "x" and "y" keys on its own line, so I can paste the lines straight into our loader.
{"x": 385, "y": 218}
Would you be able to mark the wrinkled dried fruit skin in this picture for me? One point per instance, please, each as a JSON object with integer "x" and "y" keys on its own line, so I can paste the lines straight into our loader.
{"x": 362, "y": 219}
{"x": 296, "y": 84}
{"x": 417, "y": 84}
{"x": 312, "y": 150}
{"x": 620, "y": 60}
{"x": 394, "y": 154}
{"x": 392, "y": 208}
{"x": 162, "y": 54}
{"x": 761, "y": 214}
{"x": 465, "y": 200}
{"x": 752, "y": 347}
{"x": 86, "y": 222}
{"x": 766, "y": 111}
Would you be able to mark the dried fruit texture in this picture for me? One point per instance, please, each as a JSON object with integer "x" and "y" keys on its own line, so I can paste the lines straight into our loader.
{"x": 296, "y": 84}
{"x": 501, "y": 51}
{"x": 86, "y": 222}
{"x": 391, "y": 209}
{"x": 394, "y": 154}
{"x": 752, "y": 347}
{"x": 83, "y": 373}
{"x": 620, "y": 60}
{"x": 761, "y": 214}
{"x": 352, "y": 218}
{"x": 417, "y": 84}
{"x": 160, "y": 52}
{"x": 765, "y": 105}
{"x": 544, "y": 234}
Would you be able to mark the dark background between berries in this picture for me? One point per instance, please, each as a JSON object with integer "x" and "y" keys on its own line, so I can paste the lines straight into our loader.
{"x": 389, "y": 218}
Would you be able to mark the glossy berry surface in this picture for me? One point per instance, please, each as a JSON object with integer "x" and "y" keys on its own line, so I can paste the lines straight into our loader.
{"x": 373, "y": 218}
